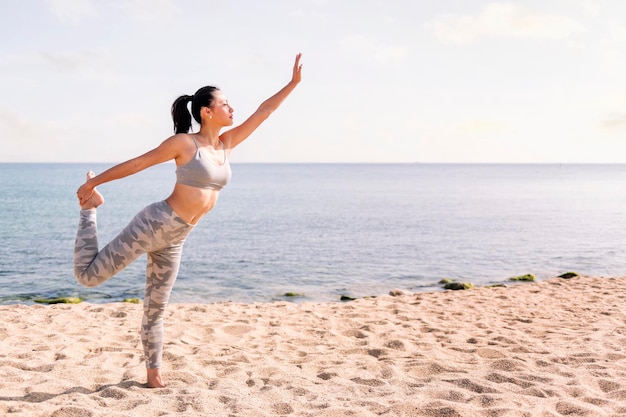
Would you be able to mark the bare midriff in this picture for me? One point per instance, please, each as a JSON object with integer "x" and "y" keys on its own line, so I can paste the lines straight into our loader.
{"x": 191, "y": 203}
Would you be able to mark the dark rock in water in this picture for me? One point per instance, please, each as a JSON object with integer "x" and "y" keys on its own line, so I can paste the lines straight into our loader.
{"x": 60, "y": 300}
{"x": 347, "y": 298}
{"x": 495, "y": 285}
{"x": 396, "y": 293}
{"x": 569, "y": 275}
{"x": 527, "y": 277}
{"x": 458, "y": 286}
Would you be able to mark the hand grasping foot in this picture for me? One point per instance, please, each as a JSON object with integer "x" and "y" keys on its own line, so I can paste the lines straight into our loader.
{"x": 95, "y": 199}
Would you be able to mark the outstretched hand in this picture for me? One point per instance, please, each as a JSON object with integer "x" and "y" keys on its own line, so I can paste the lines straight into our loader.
{"x": 236, "y": 135}
{"x": 297, "y": 70}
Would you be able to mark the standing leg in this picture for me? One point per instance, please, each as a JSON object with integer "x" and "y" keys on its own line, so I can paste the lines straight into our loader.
{"x": 161, "y": 274}
{"x": 169, "y": 234}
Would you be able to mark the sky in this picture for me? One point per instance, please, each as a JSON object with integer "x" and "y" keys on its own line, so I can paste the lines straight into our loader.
{"x": 389, "y": 81}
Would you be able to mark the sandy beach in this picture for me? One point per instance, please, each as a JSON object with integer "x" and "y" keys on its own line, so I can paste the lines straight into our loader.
{"x": 552, "y": 348}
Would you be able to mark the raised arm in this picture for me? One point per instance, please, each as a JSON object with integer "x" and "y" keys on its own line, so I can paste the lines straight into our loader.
{"x": 169, "y": 149}
{"x": 235, "y": 136}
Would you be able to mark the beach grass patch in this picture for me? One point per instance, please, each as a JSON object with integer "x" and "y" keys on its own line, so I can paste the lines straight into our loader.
{"x": 133, "y": 300}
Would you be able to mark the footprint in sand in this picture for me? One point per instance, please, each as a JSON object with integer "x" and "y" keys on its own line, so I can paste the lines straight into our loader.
{"x": 608, "y": 386}
{"x": 72, "y": 411}
{"x": 237, "y": 329}
{"x": 490, "y": 353}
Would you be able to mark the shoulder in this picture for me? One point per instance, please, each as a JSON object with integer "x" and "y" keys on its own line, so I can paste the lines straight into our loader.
{"x": 173, "y": 147}
{"x": 180, "y": 147}
{"x": 180, "y": 141}
{"x": 179, "y": 138}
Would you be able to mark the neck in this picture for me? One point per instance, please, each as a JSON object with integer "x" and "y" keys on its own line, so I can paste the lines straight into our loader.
{"x": 209, "y": 136}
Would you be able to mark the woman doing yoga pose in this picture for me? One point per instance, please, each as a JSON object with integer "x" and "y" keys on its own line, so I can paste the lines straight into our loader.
{"x": 160, "y": 229}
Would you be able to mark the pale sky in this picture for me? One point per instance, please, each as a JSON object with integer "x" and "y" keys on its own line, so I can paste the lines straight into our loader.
{"x": 383, "y": 80}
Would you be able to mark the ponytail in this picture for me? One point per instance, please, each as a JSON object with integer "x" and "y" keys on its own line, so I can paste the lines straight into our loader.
{"x": 180, "y": 113}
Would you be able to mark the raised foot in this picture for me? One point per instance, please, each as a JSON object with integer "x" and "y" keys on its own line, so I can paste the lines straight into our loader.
{"x": 95, "y": 199}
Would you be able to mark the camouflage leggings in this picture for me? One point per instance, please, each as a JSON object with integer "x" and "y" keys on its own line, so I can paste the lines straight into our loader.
{"x": 156, "y": 230}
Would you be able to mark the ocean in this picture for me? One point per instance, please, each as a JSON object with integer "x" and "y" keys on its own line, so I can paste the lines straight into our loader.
{"x": 326, "y": 230}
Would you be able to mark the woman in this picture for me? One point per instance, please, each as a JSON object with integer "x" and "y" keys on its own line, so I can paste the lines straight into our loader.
{"x": 160, "y": 229}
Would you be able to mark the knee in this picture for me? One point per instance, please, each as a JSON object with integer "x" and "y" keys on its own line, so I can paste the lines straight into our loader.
{"x": 85, "y": 280}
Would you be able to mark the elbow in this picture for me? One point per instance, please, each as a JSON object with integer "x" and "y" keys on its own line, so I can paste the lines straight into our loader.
{"x": 264, "y": 113}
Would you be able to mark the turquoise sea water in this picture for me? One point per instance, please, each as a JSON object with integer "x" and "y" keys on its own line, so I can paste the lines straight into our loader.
{"x": 326, "y": 230}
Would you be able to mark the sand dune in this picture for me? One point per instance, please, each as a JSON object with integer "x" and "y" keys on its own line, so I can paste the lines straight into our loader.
{"x": 554, "y": 348}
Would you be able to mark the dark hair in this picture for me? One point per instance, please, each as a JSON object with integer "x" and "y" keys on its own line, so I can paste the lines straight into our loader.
{"x": 180, "y": 114}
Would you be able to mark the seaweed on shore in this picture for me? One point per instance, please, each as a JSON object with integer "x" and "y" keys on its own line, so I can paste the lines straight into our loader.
{"x": 527, "y": 277}
{"x": 458, "y": 286}
{"x": 59, "y": 300}
{"x": 293, "y": 294}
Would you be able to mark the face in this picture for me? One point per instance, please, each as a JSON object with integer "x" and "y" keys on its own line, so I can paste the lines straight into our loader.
{"x": 220, "y": 110}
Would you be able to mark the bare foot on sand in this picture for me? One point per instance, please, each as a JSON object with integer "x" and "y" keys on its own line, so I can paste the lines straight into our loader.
{"x": 154, "y": 378}
{"x": 96, "y": 198}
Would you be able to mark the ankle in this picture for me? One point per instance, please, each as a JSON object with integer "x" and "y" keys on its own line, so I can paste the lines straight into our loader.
{"x": 154, "y": 378}
{"x": 94, "y": 201}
